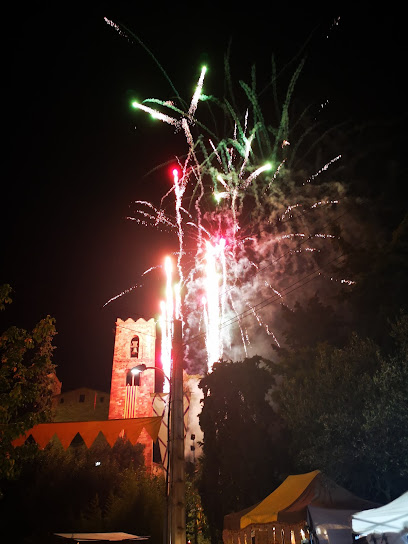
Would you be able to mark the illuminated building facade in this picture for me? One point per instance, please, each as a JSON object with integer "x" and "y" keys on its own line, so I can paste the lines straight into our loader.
{"x": 82, "y": 404}
{"x": 131, "y": 394}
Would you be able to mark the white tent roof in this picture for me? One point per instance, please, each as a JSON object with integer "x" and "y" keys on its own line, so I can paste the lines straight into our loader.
{"x": 332, "y": 526}
{"x": 391, "y": 518}
{"x": 100, "y": 537}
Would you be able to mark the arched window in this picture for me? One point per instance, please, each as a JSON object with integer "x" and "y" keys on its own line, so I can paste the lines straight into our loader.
{"x": 134, "y": 347}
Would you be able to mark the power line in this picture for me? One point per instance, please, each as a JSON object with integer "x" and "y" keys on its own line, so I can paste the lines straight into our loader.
{"x": 273, "y": 298}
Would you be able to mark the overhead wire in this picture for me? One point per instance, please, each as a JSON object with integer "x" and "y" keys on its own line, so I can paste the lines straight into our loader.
{"x": 273, "y": 298}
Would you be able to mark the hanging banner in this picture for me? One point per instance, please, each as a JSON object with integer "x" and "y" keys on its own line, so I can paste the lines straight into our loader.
{"x": 89, "y": 430}
{"x": 160, "y": 409}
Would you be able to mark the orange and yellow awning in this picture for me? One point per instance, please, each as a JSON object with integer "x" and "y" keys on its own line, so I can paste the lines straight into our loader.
{"x": 89, "y": 430}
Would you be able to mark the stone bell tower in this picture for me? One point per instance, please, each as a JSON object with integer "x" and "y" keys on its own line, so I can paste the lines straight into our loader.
{"x": 131, "y": 394}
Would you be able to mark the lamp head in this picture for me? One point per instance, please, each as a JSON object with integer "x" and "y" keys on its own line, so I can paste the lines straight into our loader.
{"x": 138, "y": 369}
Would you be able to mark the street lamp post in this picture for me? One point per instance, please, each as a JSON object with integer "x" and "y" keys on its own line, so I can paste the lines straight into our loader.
{"x": 177, "y": 507}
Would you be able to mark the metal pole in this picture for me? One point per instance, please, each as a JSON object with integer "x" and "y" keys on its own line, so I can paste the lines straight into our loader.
{"x": 177, "y": 507}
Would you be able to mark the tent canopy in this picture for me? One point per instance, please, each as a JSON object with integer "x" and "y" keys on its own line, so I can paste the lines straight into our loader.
{"x": 289, "y": 502}
{"x": 390, "y": 518}
{"x": 325, "y": 519}
{"x": 101, "y": 537}
{"x": 331, "y": 525}
{"x": 280, "y": 500}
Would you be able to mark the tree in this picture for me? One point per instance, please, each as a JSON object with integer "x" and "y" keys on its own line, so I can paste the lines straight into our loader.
{"x": 197, "y": 529}
{"x": 322, "y": 406}
{"x": 26, "y": 384}
{"x": 386, "y": 418}
{"x": 80, "y": 489}
{"x": 244, "y": 446}
{"x": 312, "y": 322}
{"x": 5, "y": 291}
{"x": 381, "y": 290}
{"x": 347, "y": 412}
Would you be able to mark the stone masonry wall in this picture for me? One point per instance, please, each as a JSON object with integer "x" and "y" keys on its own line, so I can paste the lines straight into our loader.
{"x": 123, "y": 362}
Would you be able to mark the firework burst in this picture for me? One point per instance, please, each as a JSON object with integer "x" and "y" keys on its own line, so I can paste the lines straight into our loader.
{"x": 239, "y": 239}
{"x": 250, "y": 223}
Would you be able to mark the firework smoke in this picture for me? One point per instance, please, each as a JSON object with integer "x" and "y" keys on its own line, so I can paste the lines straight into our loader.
{"x": 242, "y": 240}
{"x": 254, "y": 221}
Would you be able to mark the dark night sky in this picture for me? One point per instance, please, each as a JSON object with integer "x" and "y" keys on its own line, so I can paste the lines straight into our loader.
{"x": 75, "y": 162}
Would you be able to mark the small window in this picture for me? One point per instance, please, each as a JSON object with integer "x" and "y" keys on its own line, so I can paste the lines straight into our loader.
{"x": 81, "y": 398}
{"x": 62, "y": 400}
{"x": 101, "y": 399}
{"x": 134, "y": 347}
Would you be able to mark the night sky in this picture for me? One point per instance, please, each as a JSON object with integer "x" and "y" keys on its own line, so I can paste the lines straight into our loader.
{"x": 75, "y": 161}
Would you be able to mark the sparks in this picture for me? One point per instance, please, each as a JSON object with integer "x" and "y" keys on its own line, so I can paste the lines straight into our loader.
{"x": 166, "y": 323}
{"x": 227, "y": 204}
{"x": 197, "y": 94}
{"x": 156, "y": 114}
{"x": 214, "y": 302}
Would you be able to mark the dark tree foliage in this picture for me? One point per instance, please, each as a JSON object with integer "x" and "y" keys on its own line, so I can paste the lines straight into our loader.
{"x": 245, "y": 446}
{"x": 197, "y": 528}
{"x": 26, "y": 385}
{"x": 378, "y": 265}
{"x": 386, "y": 417}
{"x": 84, "y": 490}
{"x": 347, "y": 409}
{"x": 5, "y": 291}
{"x": 311, "y": 323}
{"x": 381, "y": 289}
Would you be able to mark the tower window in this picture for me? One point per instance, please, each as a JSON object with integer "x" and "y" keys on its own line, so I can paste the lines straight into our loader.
{"x": 134, "y": 347}
{"x": 61, "y": 400}
{"x": 81, "y": 398}
{"x": 101, "y": 399}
